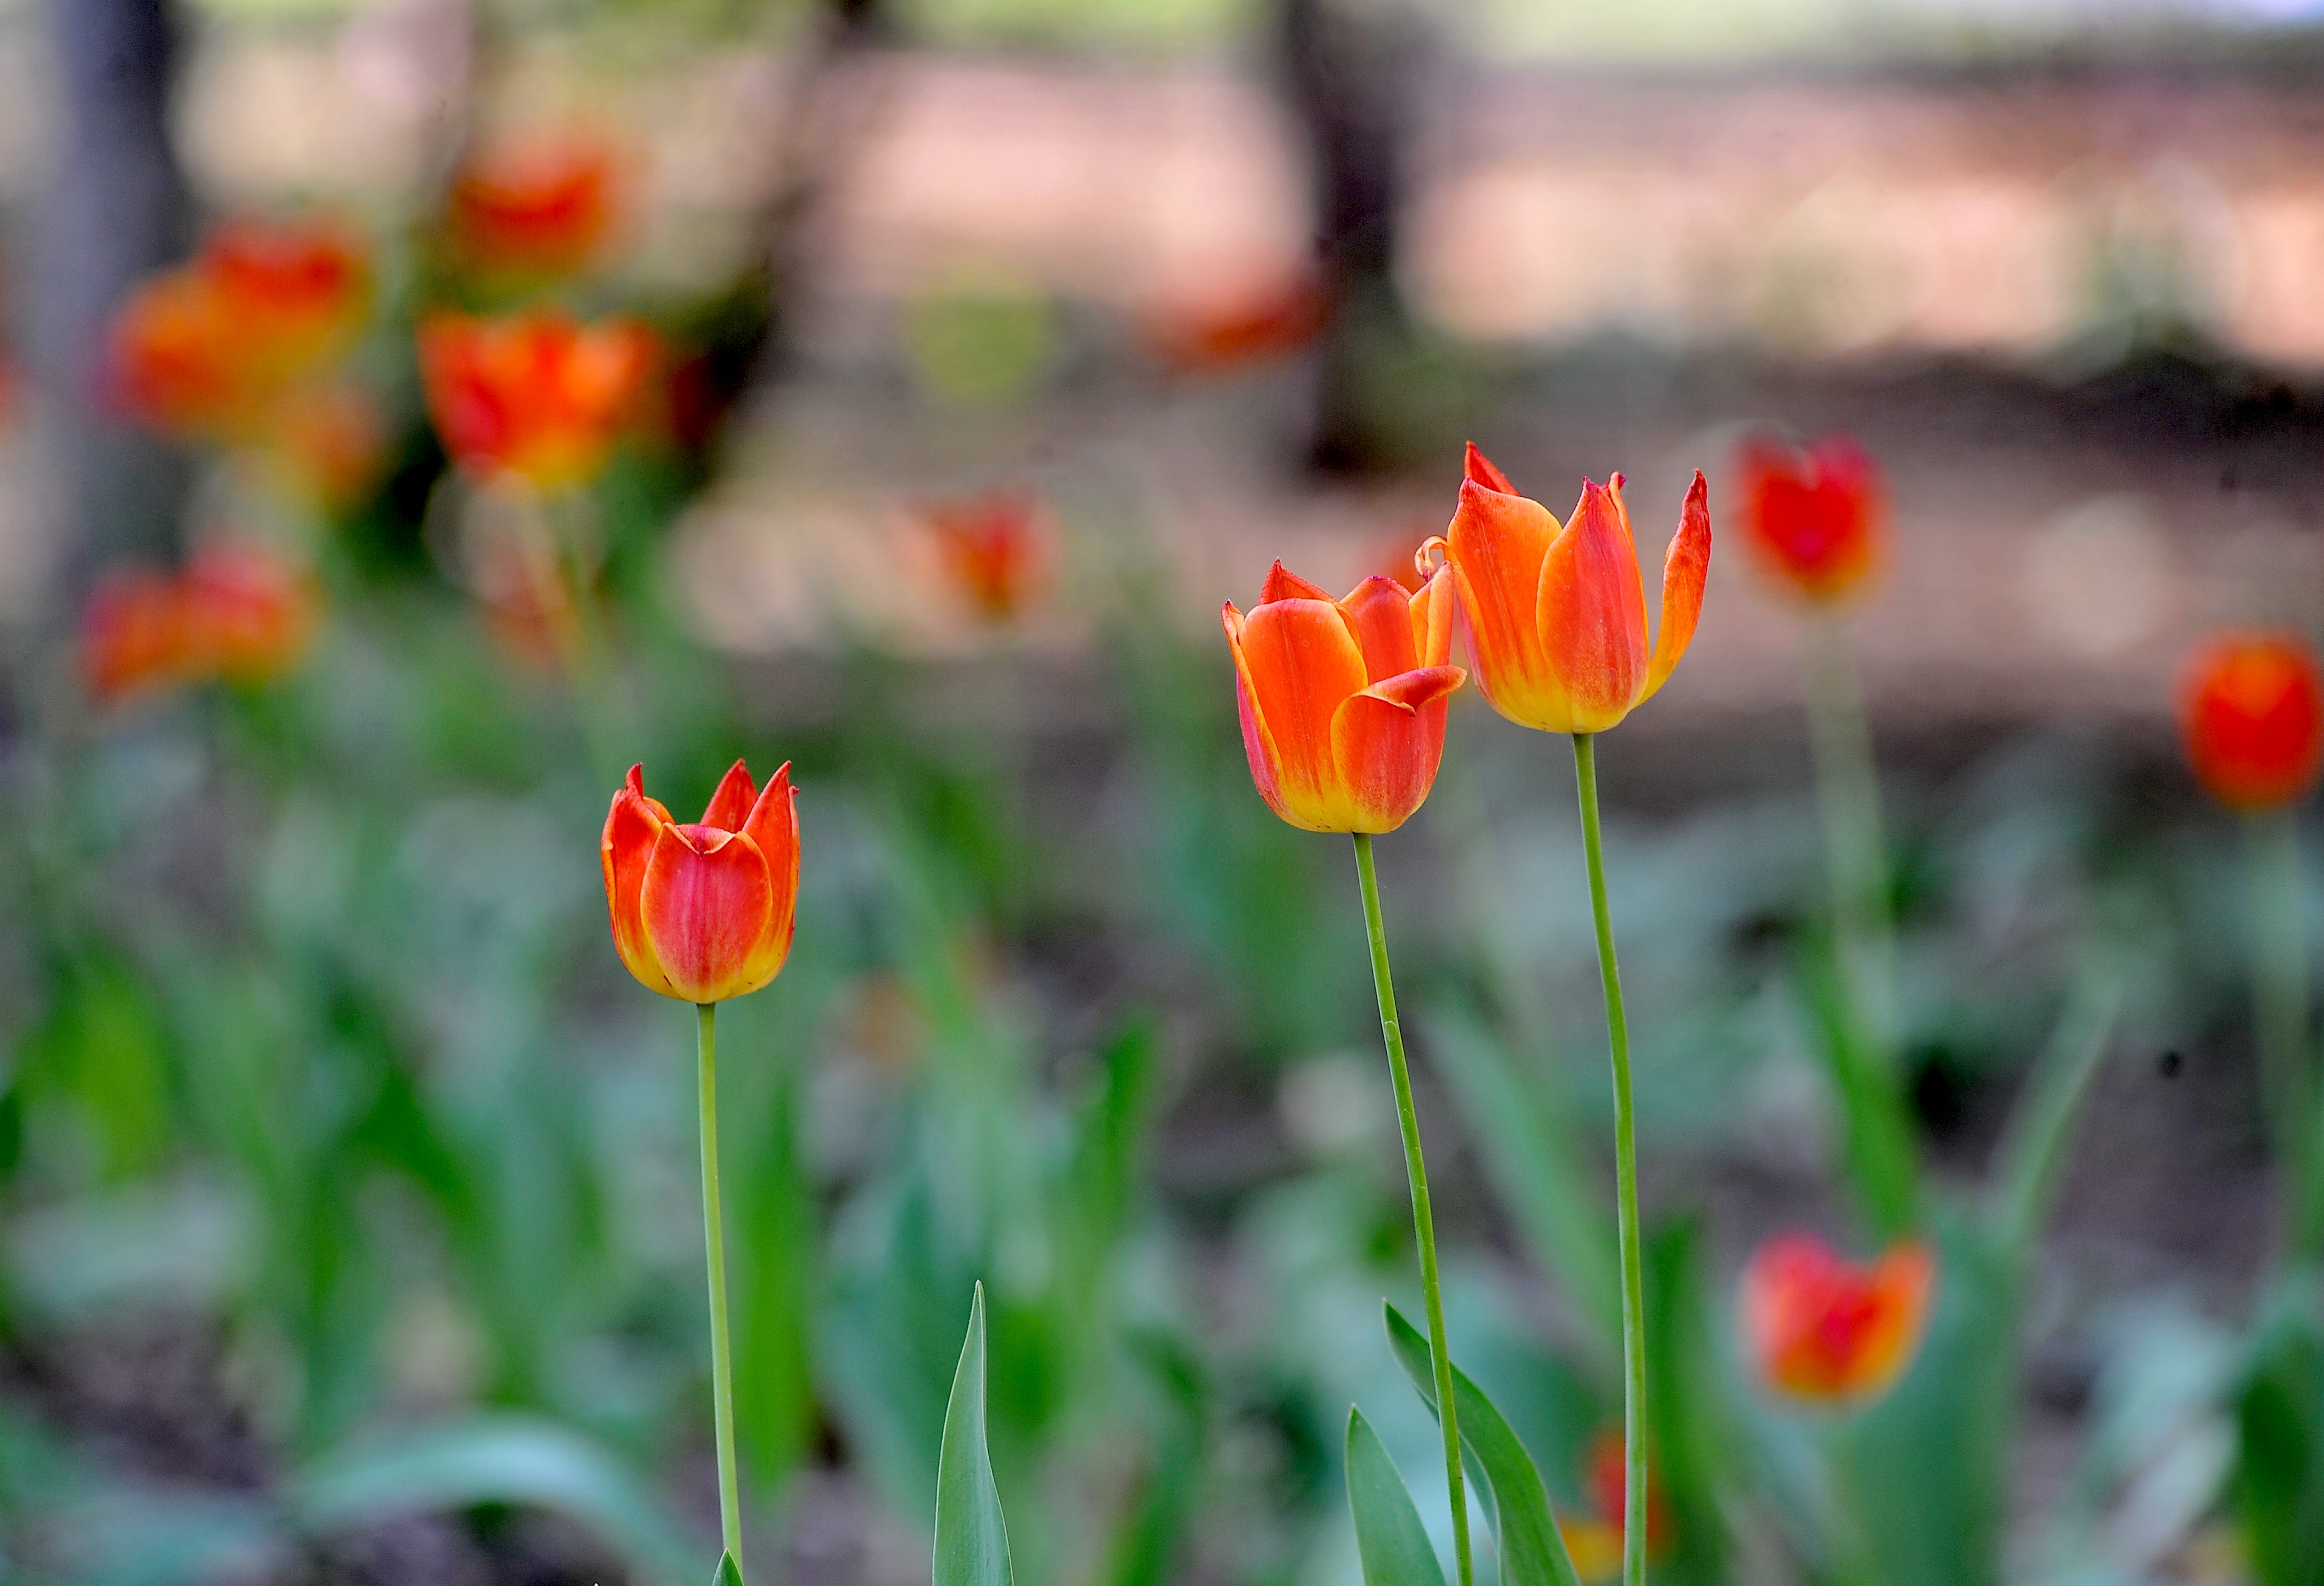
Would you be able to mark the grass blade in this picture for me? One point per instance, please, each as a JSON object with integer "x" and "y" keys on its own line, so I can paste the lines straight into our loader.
{"x": 972, "y": 1537}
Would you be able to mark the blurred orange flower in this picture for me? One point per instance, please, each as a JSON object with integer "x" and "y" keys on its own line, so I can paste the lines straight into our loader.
{"x": 331, "y": 445}
{"x": 210, "y": 349}
{"x": 239, "y": 612}
{"x": 539, "y": 395}
{"x": 2251, "y": 710}
{"x": 1268, "y": 320}
{"x": 1556, "y": 620}
{"x": 249, "y": 613}
{"x": 132, "y": 635}
{"x": 535, "y": 208}
{"x": 1824, "y": 1329}
{"x": 704, "y": 912}
{"x": 1609, "y": 1487}
{"x": 1343, "y": 701}
{"x": 1815, "y": 520}
{"x": 994, "y": 550}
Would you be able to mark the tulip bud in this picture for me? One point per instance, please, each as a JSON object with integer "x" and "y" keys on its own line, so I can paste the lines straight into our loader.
{"x": 2251, "y": 709}
{"x": 1816, "y": 521}
{"x": 1823, "y": 1330}
{"x": 704, "y": 912}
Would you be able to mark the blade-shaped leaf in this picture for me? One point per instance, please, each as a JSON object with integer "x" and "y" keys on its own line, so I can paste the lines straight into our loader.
{"x": 1532, "y": 1552}
{"x": 496, "y": 1458}
{"x": 730, "y": 1573}
{"x": 972, "y": 1537}
{"x": 1390, "y": 1537}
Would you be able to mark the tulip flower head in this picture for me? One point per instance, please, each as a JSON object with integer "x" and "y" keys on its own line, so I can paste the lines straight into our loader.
{"x": 537, "y": 395}
{"x": 1555, "y": 619}
{"x": 2251, "y": 709}
{"x": 1343, "y": 701}
{"x": 704, "y": 912}
{"x": 1255, "y": 321}
{"x": 132, "y": 635}
{"x": 249, "y": 613}
{"x": 1826, "y": 1331}
{"x": 1816, "y": 521}
{"x": 535, "y": 209}
{"x": 993, "y": 550}
{"x": 212, "y": 349}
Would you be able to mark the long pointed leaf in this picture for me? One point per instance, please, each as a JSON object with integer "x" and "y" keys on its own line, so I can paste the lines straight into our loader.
{"x": 2038, "y": 1128}
{"x": 1391, "y": 1540}
{"x": 1532, "y": 1551}
{"x": 730, "y": 1573}
{"x": 972, "y": 1537}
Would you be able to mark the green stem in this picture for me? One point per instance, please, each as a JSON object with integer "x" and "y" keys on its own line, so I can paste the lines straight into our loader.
{"x": 714, "y": 1234}
{"x": 1626, "y": 1182}
{"x": 1847, "y": 792}
{"x": 2280, "y": 986}
{"x": 1424, "y": 1223}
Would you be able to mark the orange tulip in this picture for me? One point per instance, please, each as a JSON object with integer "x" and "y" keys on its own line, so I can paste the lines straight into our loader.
{"x": 2251, "y": 709}
{"x": 537, "y": 395}
{"x": 211, "y": 350}
{"x": 1817, "y": 521}
{"x": 704, "y": 912}
{"x": 132, "y": 635}
{"x": 1556, "y": 620}
{"x": 249, "y": 615}
{"x": 992, "y": 550}
{"x": 1342, "y": 701}
{"x": 1824, "y": 1329}
{"x": 537, "y": 208}
{"x": 1263, "y": 320}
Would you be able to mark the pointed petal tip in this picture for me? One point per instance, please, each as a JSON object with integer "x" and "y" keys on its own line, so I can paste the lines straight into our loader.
{"x": 1476, "y": 468}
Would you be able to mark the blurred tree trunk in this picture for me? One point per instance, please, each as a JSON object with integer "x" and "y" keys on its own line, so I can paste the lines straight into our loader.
{"x": 1348, "y": 71}
{"x": 117, "y": 207}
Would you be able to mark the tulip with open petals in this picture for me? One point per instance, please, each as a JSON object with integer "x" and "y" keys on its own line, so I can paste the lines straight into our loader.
{"x": 2251, "y": 709}
{"x": 1555, "y": 619}
{"x": 703, "y": 912}
{"x": 1816, "y": 521}
{"x": 1823, "y": 1330}
{"x": 538, "y": 395}
{"x": 1342, "y": 701}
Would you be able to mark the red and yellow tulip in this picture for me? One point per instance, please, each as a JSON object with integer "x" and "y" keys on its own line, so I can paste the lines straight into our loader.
{"x": 1816, "y": 521}
{"x": 704, "y": 912}
{"x": 1343, "y": 701}
{"x": 1824, "y": 1329}
{"x": 536, "y": 208}
{"x": 992, "y": 550}
{"x": 538, "y": 395}
{"x": 1555, "y": 619}
{"x": 212, "y": 349}
{"x": 2251, "y": 710}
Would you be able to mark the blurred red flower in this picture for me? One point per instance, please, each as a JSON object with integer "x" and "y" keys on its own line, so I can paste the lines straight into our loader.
{"x": 537, "y": 208}
{"x": 1262, "y": 320}
{"x": 994, "y": 549}
{"x": 539, "y": 395}
{"x": 1824, "y": 1329}
{"x": 250, "y": 612}
{"x": 2251, "y": 710}
{"x": 210, "y": 349}
{"x": 132, "y": 635}
{"x": 1817, "y": 521}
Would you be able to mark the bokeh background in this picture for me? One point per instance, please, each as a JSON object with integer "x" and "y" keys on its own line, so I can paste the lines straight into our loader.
{"x": 347, "y": 1223}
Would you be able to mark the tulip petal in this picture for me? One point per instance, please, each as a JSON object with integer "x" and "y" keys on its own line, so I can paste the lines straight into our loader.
{"x": 1591, "y": 612}
{"x": 632, "y": 827}
{"x": 1387, "y": 742}
{"x": 1478, "y": 469}
{"x": 1380, "y": 612}
{"x": 708, "y": 906}
{"x": 1497, "y": 545}
{"x": 1684, "y": 569}
{"x": 773, "y": 827}
{"x": 1283, "y": 584}
{"x": 1257, "y": 742}
{"x": 1430, "y": 615}
{"x": 729, "y": 806}
{"x": 1300, "y": 662}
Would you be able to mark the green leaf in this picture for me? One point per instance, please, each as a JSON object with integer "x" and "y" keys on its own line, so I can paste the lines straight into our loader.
{"x": 972, "y": 1537}
{"x": 1532, "y": 1552}
{"x": 1881, "y": 1151}
{"x": 730, "y": 1573}
{"x": 2039, "y": 1125}
{"x": 1390, "y": 1537}
{"x": 496, "y": 1458}
{"x": 2279, "y": 1433}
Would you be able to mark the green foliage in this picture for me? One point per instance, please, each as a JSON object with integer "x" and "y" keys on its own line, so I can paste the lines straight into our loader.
{"x": 1391, "y": 1540}
{"x": 972, "y": 1536}
{"x": 2278, "y": 1482}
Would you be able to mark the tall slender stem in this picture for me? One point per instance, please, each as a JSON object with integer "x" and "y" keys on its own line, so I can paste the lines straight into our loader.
{"x": 1423, "y": 1222}
{"x": 2280, "y": 986}
{"x": 714, "y": 1234}
{"x": 1847, "y": 791}
{"x": 1626, "y": 1182}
